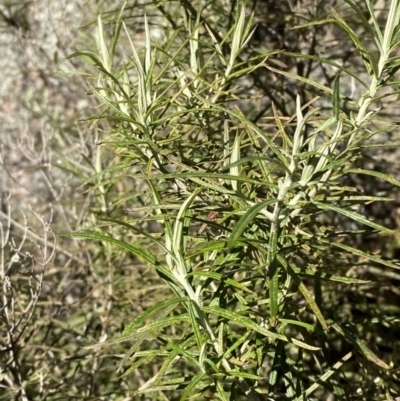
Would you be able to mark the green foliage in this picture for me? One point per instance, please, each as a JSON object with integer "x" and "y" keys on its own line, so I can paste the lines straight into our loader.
{"x": 256, "y": 227}
{"x": 247, "y": 160}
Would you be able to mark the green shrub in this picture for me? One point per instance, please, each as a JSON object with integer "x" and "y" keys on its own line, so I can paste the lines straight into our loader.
{"x": 250, "y": 200}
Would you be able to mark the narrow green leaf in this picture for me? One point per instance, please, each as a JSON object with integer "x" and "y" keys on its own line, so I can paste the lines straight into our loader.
{"x": 177, "y": 240}
{"x": 273, "y": 282}
{"x": 306, "y": 294}
{"x": 243, "y": 374}
{"x": 160, "y": 210}
{"x": 245, "y": 221}
{"x": 171, "y": 357}
{"x": 166, "y": 322}
{"x": 236, "y": 345}
{"x": 190, "y": 306}
{"x": 374, "y": 173}
{"x": 144, "y": 360}
{"x": 286, "y": 138}
{"x": 335, "y": 368}
{"x": 369, "y": 63}
{"x": 150, "y": 328}
{"x": 319, "y": 59}
{"x": 336, "y": 97}
{"x": 221, "y": 391}
{"x": 204, "y": 175}
{"x": 235, "y": 157}
{"x": 111, "y": 105}
{"x": 112, "y": 169}
{"x": 194, "y": 382}
{"x": 103, "y": 47}
{"x": 302, "y": 79}
{"x": 136, "y": 344}
{"x": 237, "y": 33}
{"x": 165, "y": 307}
{"x": 359, "y": 218}
{"x": 220, "y": 277}
{"x": 307, "y": 326}
{"x": 325, "y": 275}
{"x": 248, "y": 323}
{"x": 275, "y": 368}
{"x": 361, "y": 346}
{"x": 99, "y": 237}
{"x": 138, "y": 230}
{"x": 117, "y": 30}
{"x": 209, "y": 246}
{"x": 377, "y": 34}
{"x": 358, "y": 252}
{"x": 157, "y": 389}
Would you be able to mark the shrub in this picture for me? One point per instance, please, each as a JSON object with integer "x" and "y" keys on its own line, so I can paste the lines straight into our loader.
{"x": 246, "y": 169}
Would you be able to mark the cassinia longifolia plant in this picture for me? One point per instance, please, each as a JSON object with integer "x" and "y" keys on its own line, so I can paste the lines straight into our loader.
{"x": 253, "y": 226}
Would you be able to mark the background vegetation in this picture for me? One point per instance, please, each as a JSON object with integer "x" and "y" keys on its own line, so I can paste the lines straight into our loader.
{"x": 229, "y": 172}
